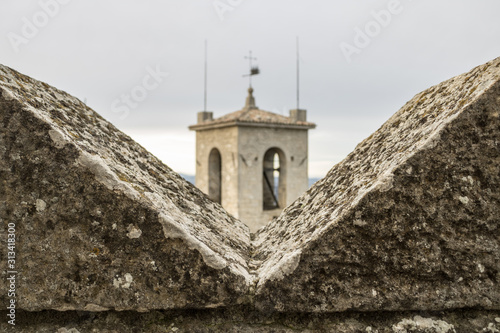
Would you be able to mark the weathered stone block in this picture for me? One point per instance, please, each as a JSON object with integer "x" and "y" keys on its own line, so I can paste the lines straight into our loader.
{"x": 408, "y": 221}
{"x": 100, "y": 222}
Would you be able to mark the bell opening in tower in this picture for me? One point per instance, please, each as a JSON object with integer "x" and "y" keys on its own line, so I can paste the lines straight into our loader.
{"x": 273, "y": 182}
{"x": 215, "y": 176}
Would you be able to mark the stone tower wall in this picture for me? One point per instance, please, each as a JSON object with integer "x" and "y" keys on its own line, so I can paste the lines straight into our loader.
{"x": 242, "y": 151}
{"x": 253, "y": 142}
{"x": 226, "y": 141}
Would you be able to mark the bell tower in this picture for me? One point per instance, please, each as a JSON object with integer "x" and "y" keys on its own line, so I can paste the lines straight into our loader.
{"x": 253, "y": 162}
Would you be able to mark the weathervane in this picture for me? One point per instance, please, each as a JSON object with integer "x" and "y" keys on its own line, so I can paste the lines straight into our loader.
{"x": 254, "y": 70}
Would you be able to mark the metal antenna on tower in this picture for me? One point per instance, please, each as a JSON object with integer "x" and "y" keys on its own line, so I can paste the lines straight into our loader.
{"x": 298, "y": 75}
{"x": 254, "y": 70}
{"x": 205, "y": 94}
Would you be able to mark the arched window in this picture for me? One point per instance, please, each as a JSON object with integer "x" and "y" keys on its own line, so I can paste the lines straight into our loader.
{"x": 273, "y": 182}
{"x": 215, "y": 176}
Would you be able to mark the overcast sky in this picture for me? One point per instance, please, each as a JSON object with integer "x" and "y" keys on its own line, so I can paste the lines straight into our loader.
{"x": 140, "y": 63}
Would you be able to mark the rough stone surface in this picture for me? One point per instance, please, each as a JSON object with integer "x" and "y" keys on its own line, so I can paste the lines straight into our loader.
{"x": 243, "y": 320}
{"x": 100, "y": 222}
{"x": 408, "y": 221}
